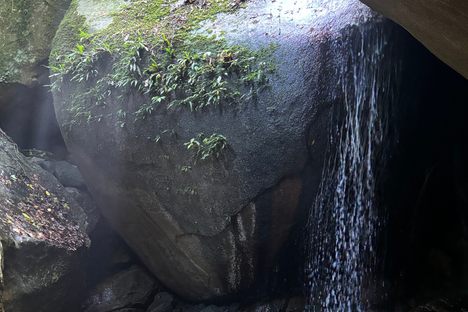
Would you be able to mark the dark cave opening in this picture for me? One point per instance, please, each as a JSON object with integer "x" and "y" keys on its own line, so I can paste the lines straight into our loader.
{"x": 27, "y": 115}
{"x": 425, "y": 190}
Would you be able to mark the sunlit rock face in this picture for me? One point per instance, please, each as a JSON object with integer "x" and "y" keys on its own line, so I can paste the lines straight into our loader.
{"x": 440, "y": 25}
{"x": 210, "y": 198}
{"x": 27, "y": 28}
{"x": 42, "y": 238}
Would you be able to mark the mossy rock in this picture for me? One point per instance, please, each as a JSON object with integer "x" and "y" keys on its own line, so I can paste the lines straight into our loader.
{"x": 27, "y": 28}
{"x": 201, "y": 128}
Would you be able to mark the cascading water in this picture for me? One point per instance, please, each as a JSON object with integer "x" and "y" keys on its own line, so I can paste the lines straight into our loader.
{"x": 344, "y": 222}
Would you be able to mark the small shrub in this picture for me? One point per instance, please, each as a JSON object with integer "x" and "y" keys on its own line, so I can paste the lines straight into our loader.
{"x": 207, "y": 147}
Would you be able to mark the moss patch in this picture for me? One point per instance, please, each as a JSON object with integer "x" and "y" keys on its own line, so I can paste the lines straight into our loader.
{"x": 68, "y": 35}
{"x": 148, "y": 19}
{"x": 26, "y": 32}
{"x": 152, "y": 49}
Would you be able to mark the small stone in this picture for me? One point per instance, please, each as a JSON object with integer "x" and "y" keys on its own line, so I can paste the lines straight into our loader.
{"x": 47, "y": 165}
{"x": 68, "y": 175}
{"x": 163, "y": 302}
{"x": 84, "y": 199}
{"x": 127, "y": 289}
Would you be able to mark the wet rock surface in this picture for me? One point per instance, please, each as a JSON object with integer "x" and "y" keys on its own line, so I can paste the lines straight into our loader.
{"x": 218, "y": 227}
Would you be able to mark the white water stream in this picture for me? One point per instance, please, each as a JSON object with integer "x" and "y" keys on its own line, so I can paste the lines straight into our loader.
{"x": 345, "y": 220}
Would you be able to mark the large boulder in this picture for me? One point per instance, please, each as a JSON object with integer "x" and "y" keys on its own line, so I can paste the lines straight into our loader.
{"x": 42, "y": 238}
{"x": 202, "y": 139}
{"x": 27, "y": 28}
{"x": 440, "y": 25}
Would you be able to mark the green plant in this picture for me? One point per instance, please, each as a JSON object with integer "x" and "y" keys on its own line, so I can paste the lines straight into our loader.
{"x": 84, "y": 34}
{"x": 185, "y": 169}
{"x": 163, "y": 60}
{"x": 79, "y": 65}
{"x": 121, "y": 115}
{"x": 200, "y": 79}
{"x": 207, "y": 147}
{"x": 168, "y": 48}
{"x": 80, "y": 49}
{"x": 187, "y": 191}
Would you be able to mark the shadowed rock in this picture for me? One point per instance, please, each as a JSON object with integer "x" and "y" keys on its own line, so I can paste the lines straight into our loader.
{"x": 440, "y": 25}
{"x": 128, "y": 289}
{"x": 42, "y": 238}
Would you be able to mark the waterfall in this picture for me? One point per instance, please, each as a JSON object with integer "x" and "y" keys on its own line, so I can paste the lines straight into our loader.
{"x": 344, "y": 221}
